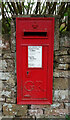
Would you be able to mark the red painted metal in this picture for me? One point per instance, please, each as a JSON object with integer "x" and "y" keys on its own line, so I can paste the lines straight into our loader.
{"x": 34, "y": 85}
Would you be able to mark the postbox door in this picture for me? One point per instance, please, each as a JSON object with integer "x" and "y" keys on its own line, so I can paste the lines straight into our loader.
{"x": 34, "y": 76}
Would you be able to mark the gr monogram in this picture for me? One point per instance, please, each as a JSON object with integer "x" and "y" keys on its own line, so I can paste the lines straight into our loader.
{"x": 30, "y": 85}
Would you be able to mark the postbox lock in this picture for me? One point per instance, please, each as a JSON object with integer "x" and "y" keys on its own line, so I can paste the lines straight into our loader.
{"x": 27, "y": 72}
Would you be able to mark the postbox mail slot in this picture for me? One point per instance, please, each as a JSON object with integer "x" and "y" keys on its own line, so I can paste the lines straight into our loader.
{"x": 35, "y": 34}
{"x": 34, "y": 60}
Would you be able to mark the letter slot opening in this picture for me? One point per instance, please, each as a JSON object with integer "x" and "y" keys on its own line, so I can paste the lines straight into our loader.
{"x": 42, "y": 34}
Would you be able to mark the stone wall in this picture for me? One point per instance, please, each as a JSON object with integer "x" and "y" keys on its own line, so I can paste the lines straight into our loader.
{"x": 8, "y": 80}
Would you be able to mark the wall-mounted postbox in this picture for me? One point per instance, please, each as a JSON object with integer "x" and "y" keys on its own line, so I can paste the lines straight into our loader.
{"x": 34, "y": 52}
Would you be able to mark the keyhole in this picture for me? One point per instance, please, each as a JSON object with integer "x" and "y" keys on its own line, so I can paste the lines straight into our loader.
{"x": 27, "y": 72}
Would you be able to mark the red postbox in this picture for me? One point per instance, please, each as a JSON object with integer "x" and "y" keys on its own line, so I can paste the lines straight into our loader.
{"x": 34, "y": 53}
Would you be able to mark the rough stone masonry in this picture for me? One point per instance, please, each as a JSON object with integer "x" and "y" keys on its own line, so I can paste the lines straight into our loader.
{"x": 8, "y": 94}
